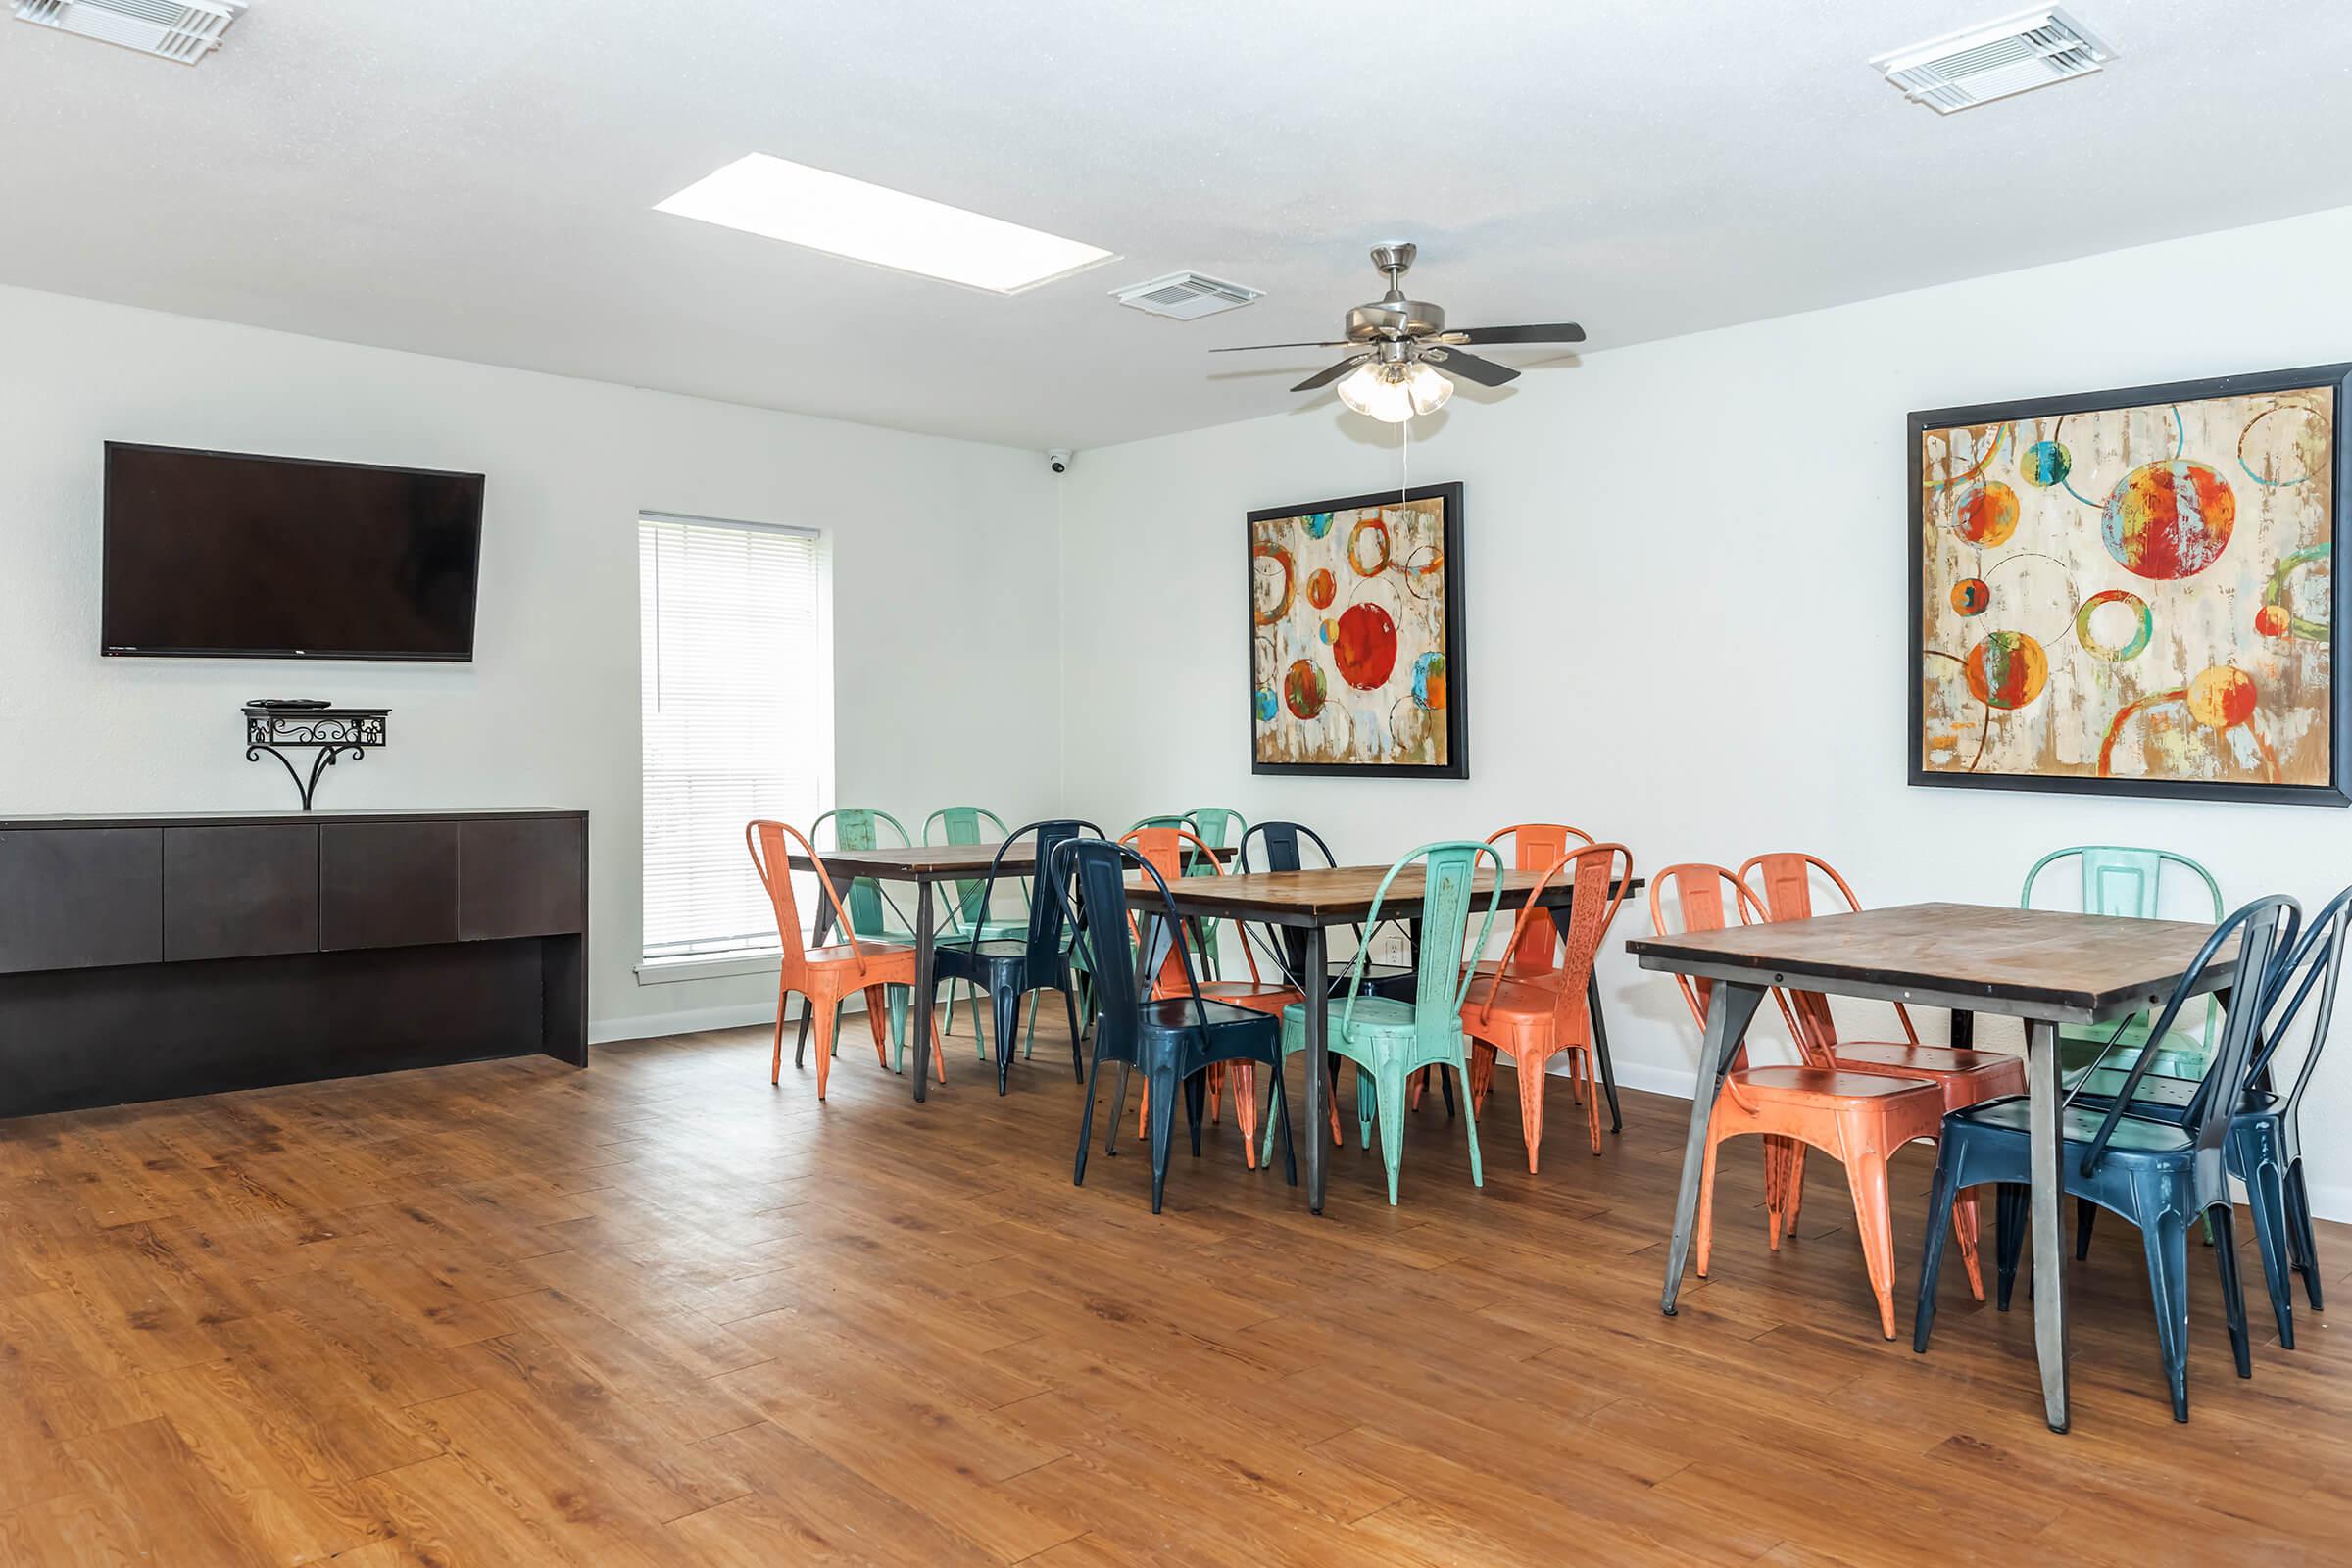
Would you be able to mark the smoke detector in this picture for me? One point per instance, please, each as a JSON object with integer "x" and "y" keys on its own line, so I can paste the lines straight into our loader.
{"x": 1185, "y": 296}
{"x": 186, "y": 31}
{"x": 2017, "y": 54}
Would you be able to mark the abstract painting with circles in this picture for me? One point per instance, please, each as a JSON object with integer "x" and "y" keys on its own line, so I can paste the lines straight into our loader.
{"x": 1356, "y": 636}
{"x": 2133, "y": 592}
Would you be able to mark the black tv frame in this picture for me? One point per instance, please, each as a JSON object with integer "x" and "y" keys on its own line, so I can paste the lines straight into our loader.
{"x": 106, "y": 550}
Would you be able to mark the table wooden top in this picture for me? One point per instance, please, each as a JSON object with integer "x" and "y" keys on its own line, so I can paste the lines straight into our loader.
{"x": 934, "y": 863}
{"x": 1333, "y": 895}
{"x": 2040, "y": 963}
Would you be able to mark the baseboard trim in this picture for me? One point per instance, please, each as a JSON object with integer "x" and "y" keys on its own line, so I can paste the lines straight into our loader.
{"x": 2332, "y": 1202}
{"x": 685, "y": 1021}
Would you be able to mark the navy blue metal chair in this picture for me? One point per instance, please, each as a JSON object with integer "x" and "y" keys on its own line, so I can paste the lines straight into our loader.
{"x": 1172, "y": 1041}
{"x": 1008, "y": 969}
{"x": 2159, "y": 1175}
{"x": 2265, "y": 1146}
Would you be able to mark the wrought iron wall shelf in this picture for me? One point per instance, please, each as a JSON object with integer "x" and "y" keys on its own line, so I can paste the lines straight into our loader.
{"x": 326, "y": 731}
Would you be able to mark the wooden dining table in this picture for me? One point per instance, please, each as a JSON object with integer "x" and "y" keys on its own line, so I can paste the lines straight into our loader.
{"x": 1316, "y": 901}
{"x": 2046, "y": 967}
{"x": 923, "y": 867}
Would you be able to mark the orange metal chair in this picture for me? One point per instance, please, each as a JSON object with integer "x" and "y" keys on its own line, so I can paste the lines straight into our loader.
{"x": 1857, "y": 1118}
{"x": 1163, "y": 847}
{"x": 1783, "y": 883}
{"x": 1533, "y": 949}
{"x": 827, "y": 975}
{"x": 1532, "y": 1015}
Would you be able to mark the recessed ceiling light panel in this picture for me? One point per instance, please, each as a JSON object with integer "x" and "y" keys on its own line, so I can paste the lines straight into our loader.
{"x": 778, "y": 199}
{"x": 2016, "y": 54}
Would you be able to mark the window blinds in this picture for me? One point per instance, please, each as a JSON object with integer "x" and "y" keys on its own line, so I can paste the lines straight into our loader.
{"x": 736, "y": 710}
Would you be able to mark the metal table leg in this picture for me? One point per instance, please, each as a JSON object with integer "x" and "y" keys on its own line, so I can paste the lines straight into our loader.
{"x": 1729, "y": 1010}
{"x": 1601, "y": 1051}
{"x": 1318, "y": 1088}
{"x": 2049, "y": 1133}
{"x": 926, "y": 921}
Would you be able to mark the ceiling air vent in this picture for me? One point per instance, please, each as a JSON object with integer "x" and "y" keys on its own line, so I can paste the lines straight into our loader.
{"x": 1185, "y": 296}
{"x": 2017, "y": 54}
{"x": 186, "y": 31}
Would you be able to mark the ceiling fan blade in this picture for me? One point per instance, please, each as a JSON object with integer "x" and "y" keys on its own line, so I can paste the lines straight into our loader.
{"x": 1470, "y": 368}
{"x": 1324, "y": 378}
{"x": 1251, "y": 348}
{"x": 1556, "y": 332}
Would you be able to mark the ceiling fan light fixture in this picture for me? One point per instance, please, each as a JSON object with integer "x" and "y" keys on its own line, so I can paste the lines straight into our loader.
{"x": 1394, "y": 393}
{"x": 1428, "y": 389}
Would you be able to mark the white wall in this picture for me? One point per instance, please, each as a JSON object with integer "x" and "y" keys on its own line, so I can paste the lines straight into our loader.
{"x": 1686, "y": 599}
{"x": 926, "y": 533}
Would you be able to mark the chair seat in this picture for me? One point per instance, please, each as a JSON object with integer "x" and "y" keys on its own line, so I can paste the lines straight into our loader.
{"x": 1827, "y": 1086}
{"x": 2158, "y": 1095}
{"x": 2132, "y": 1135}
{"x": 1967, "y": 1076}
{"x": 1372, "y": 1013}
{"x": 1258, "y": 996}
{"x": 1179, "y": 1013}
{"x": 874, "y": 952}
{"x": 1518, "y": 1015}
{"x": 990, "y": 931}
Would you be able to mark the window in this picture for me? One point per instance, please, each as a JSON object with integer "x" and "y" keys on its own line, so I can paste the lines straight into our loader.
{"x": 736, "y": 685}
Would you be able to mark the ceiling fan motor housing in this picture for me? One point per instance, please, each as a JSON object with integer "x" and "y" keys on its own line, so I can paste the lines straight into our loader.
{"x": 1398, "y": 318}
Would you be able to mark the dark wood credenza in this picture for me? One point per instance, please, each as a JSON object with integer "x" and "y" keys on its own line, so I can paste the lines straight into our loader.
{"x": 145, "y": 957}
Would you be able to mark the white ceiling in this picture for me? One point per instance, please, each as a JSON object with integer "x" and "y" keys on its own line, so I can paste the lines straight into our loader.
{"x": 477, "y": 180}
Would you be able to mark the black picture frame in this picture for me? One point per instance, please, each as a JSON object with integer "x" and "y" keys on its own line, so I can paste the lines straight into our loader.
{"x": 2338, "y": 790}
{"x": 1457, "y": 685}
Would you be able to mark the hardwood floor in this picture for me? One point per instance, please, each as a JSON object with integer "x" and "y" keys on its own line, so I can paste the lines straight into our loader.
{"x": 657, "y": 1312}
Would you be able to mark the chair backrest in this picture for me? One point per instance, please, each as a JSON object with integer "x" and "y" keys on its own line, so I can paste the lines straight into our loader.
{"x": 1164, "y": 849}
{"x": 2122, "y": 879}
{"x": 2127, "y": 881}
{"x": 1448, "y": 889}
{"x": 1600, "y": 875}
{"x": 2266, "y": 931}
{"x": 1217, "y": 825}
{"x": 961, "y": 824}
{"x": 1091, "y": 896}
{"x": 2320, "y": 959}
{"x": 770, "y": 858}
{"x": 1781, "y": 881}
{"x": 1198, "y": 861}
{"x": 1699, "y": 890}
{"x": 1534, "y": 847}
{"x": 1048, "y": 917}
{"x": 858, "y": 827}
{"x": 1281, "y": 847}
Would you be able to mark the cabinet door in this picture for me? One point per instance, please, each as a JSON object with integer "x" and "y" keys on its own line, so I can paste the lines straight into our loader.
{"x": 521, "y": 877}
{"x": 387, "y": 884}
{"x": 240, "y": 892}
{"x": 80, "y": 897}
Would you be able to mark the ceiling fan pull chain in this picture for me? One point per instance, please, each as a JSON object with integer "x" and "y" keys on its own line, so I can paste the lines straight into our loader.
{"x": 1404, "y": 460}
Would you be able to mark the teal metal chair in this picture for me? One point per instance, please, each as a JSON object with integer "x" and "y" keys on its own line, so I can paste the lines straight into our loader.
{"x": 967, "y": 916}
{"x": 860, "y": 827}
{"x": 1391, "y": 1040}
{"x": 2121, "y": 880}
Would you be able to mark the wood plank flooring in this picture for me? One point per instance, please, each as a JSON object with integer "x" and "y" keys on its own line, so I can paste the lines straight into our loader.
{"x": 659, "y": 1313}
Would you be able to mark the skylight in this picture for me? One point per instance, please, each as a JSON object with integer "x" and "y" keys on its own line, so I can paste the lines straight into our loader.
{"x": 778, "y": 199}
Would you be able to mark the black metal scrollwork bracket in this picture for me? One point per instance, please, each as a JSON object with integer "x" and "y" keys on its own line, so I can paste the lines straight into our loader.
{"x": 327, "y": 732}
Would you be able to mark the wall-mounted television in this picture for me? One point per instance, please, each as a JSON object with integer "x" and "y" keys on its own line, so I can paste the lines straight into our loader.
{"x": 226, "y": 555}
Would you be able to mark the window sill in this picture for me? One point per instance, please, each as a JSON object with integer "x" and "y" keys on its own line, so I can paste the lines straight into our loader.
{"x": 668, "y": 972}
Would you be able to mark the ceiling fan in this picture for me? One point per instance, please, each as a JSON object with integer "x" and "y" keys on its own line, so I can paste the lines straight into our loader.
{"x": 1402, "y": 344}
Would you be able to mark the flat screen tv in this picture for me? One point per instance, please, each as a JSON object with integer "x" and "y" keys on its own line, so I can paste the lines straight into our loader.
{"x": 224, "y": 555}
